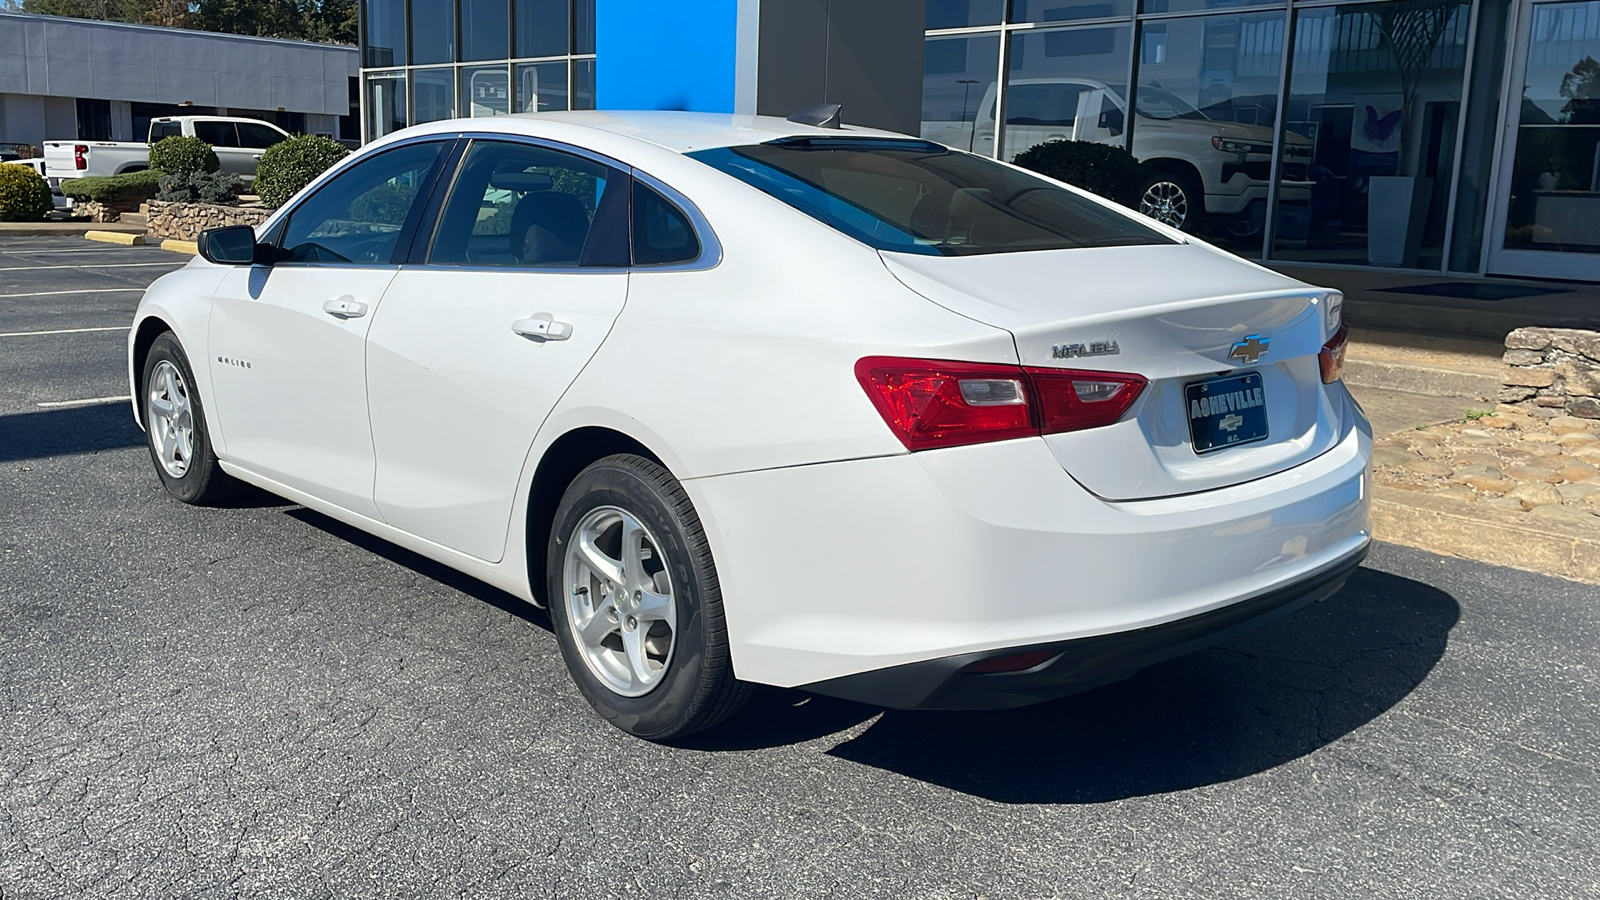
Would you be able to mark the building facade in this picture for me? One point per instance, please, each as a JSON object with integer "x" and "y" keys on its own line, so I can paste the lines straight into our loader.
{"x": 1455, "y": 136}
{"x": 77, "y": 79}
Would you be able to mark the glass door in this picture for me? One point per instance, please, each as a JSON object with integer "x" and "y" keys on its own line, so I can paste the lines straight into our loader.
{"x": 1547, "y": 219}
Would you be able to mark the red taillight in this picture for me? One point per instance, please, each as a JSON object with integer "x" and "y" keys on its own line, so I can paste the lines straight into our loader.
{"x": 79, "y": 152}
{"x": 932, "y": 403}
{"x": 1015, "y": 662}
{"x": 1332, "y": 356}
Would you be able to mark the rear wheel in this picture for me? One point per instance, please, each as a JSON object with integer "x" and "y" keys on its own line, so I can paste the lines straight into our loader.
{"x": 175, "y": 427}
{"x": 635, "y": 602}
{"x": 1172, "y": 197}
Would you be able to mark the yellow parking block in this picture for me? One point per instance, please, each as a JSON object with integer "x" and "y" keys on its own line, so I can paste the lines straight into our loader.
{"x": 175, "y": 246}
{"x": 115, "y": 237}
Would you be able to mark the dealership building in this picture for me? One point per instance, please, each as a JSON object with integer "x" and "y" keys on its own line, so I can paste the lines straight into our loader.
{"x": 77, "y": 79}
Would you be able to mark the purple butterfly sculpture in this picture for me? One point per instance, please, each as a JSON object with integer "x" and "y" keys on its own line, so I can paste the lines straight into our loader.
{"x": 1380, "y": 129}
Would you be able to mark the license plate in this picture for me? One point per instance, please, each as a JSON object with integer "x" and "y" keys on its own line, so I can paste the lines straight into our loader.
{"x": 1226, "y": 412}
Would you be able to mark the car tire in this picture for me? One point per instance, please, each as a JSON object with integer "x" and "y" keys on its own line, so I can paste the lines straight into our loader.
{"x": 175, "y": 427}
{"x": 1172, "y": 196}
{"x": 641, "y": 630}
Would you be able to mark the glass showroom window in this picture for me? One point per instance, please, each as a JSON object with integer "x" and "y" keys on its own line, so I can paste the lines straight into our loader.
{"x": 541, "y": 87}
{"x": 964, "y": 13}
{"x": 544, "y": 28}
{"x": 583, "y": 84}
{"x": 1206, "y": 105}
{"x": 1375, "y": 92}
{"x": 958, "y": 90}
{"x": 385, "y": 33}
{"x": 485, "y": 25}
{"x": 385, "y": 103}
{"x": 485, "y": 90}
{"x": 433, "y": 95}
{"x": 1049, "y": 11}
{"x": 433, "y": 31}
{"x": 1063, "y": 85}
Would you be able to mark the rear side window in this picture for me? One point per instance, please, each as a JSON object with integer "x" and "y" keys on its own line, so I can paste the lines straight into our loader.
{"x": 165, "y": 130}
{"x": 662, "y": 234}
{"x": 912, "y": 196}
{"x": 217, "y": 134}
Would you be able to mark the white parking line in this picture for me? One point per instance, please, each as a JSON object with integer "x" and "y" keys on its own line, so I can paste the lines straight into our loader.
{"x": 26, "y": 252}
{"x": 59, "y": 293}
{"x": 170, "y": 262}
{"x": 7, "y": 334}
{"x": 89, "y": 402}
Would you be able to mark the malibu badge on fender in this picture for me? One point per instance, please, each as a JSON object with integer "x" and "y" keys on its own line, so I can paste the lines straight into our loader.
{"x": 1226, "y": 412}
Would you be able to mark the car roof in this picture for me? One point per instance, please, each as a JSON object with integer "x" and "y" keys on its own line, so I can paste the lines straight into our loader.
{"x": 681, "y": 132}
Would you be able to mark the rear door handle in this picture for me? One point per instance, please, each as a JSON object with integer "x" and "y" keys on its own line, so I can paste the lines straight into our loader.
{"x": 542, "y": 327}
{"x": 345, "y": 308}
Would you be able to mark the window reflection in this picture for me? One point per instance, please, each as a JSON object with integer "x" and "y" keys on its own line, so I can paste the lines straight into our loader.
{"x": 1068, "y": 10}
{"x": 543, "y": 27}
{"x": 485, "y": 91}
{"x": 583, "y": 84}
{"x": 484, "y": 28}
{"x": 963, "y": 13}
{"x": 385, "y": 33}
{"x": 1207, "y": 101}
{"x": 541, "y": 87}
{"x": 433, "y": 95}
{"x": 1067, "y": 84}
{"x": 958, "y": 82}
{"x": 386, "y": 103}
{"x": 433, "y": 31}
{"x": 1375, "y": 92}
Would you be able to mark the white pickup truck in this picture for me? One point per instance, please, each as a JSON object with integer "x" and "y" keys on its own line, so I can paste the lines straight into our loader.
{"x": 237, "y": 142}
{"x": 1192, "y": 166}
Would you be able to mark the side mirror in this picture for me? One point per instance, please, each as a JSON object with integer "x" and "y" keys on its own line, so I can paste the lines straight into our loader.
{"x": 234, "y": 245}
{"x": 1111, "y": 120}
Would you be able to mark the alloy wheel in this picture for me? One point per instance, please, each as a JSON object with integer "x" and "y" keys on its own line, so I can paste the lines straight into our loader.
{"x": 1166, "y": 202}
{"x": 619, "y": 601}
{"x": 169, "y": 415}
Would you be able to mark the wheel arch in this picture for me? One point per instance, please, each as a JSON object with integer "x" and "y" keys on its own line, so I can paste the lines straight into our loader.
{"x": 145, "y": 334}
{"x": 566, "y": 457}
{"x": 1173, "y": 164}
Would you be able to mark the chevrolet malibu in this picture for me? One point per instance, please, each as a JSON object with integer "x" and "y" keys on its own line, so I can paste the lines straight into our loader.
{"x": 746, "y": 401}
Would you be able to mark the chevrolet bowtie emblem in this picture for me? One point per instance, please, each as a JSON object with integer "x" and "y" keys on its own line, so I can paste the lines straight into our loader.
{"x": 1250, "y": 349}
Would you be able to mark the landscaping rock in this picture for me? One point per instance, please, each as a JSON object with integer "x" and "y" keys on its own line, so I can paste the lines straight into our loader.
{"x": 1570, "y": 425}
{"x": 1535, "y": 495}
{"x": 1389, "y": 456}
{"x": 1576, "y": 471}
{"x": 1574, "y": 493}
{"x": 1477, "y": 458}
{"x": 1584, "y": 407}
{"x": 1532, "y": 474}
{"x": 1428, "y": 467}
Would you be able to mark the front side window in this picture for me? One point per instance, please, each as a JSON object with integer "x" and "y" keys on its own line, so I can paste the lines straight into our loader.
{"x": 528, "y": 206}
{"x": 356, "y": 217}
{"x": 257, "y": 136}
{"x": 913, "y": 196}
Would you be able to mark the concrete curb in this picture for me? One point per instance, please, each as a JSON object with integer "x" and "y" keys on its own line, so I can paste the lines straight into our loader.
{"x": 60, "y": 229}
{"x": 115, "y": 237}
{"x": 175, "y": 246}
{"x": 1502, "y": 537}
{"x": 1415, "y": 378}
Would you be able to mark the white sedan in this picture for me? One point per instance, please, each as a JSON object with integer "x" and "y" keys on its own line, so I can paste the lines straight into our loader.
{"x": 746, "y": 401}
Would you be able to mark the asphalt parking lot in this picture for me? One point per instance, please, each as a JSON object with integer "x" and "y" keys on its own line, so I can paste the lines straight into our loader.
{"x": 259, "y": 701}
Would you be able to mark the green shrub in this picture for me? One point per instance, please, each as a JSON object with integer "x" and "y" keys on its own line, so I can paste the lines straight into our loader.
{"x": 24, "y": 197}
{"x": 1102, "y": 169}
{"x": 181, "y": 155}
{"x": 205, "y": 187}
{"x": 132, "y": 187}
{"x": 291, "y": 164}
{"x": 384, "y": 203}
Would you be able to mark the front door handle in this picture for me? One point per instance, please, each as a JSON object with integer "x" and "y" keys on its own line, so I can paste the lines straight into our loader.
{"x": 345, "y": 308}
{"x": 542, "y": 327}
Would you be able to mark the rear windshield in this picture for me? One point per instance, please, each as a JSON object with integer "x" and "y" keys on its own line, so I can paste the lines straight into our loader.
{"x": 914, "y": 196}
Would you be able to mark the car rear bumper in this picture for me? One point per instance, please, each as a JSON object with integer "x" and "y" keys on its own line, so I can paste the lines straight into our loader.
{"x": 1078, "y": 665}
{"x": 840, "y": 569}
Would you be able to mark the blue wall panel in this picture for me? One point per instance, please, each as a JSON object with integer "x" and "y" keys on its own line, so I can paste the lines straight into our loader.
{"x": 665, "y": 54}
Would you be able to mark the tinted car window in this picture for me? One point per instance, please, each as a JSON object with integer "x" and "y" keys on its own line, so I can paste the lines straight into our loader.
{"x": 528, "y": 206}
{"x": 661, "y": 232}
{"x": 918, "y": 197}
{"x": 258, "y": 136}
{"x": 357, "y": 216}
{"x": 217, "y": 134}
{"x": 164, "y": 130}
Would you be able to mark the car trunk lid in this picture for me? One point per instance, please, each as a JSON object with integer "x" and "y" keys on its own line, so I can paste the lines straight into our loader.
{"x": 1174, "y": 315}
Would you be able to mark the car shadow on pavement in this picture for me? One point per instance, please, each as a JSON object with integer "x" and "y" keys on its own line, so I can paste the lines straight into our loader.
{"x": 422, "y": 565}
{"x": 1268, "y": 697}
{"x": 68, "y": 430}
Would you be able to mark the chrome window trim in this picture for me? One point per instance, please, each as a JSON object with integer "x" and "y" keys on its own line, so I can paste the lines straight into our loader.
{"x": 710, "y": 248}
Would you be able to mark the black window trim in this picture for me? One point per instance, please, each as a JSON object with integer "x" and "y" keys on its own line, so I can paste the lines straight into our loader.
{"x": 273, "y": 236}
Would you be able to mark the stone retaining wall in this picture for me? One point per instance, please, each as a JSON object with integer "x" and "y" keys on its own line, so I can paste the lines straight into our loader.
{"x": 105, "y": 212}
{"x": 1550, "y": 370}
{"x": 185, "y": 221}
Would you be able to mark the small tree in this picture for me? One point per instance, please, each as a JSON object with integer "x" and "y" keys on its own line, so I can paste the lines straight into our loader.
{"x": 1102, "y": 169}
{"x": 24, "y": 197}
{"x": 182, "y": 155}
{"x": 291, "y": 164}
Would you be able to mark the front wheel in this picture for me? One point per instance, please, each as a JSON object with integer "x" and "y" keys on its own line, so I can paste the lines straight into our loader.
{"x": 635, "y": 603}
{"x": 1173, "y": 197}
{"x": 175, "y": 427}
